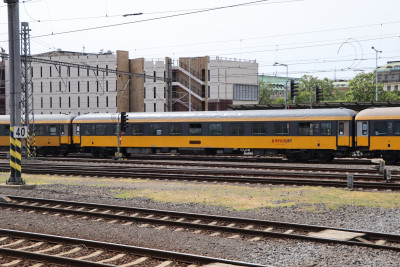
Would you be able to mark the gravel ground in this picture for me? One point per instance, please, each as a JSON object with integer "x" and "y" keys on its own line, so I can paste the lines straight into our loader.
{"x": 272, "y": 252}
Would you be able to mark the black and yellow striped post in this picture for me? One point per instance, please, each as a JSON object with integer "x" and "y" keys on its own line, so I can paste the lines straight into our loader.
{"x": 15, "y": 160}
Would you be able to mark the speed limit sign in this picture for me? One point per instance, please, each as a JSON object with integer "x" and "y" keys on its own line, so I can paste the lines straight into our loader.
{"x": 20, "y": 131}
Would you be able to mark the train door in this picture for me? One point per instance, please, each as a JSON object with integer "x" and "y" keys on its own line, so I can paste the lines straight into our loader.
{"x": 76, "y": 131}
{"x": 362, "y": 133}
{"x": 344, "y": 138}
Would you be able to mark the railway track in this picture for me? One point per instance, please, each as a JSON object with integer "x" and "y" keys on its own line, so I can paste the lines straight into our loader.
{"x": 311, "y": 177}
{"x": 32, "y": 249}
{"x": 222, "y": 226}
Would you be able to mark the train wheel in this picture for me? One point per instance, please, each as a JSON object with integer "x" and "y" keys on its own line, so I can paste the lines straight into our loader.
{"x": 390, "y": 157}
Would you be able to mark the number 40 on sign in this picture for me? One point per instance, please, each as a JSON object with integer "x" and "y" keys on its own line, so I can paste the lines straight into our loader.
{"x": 20, "y": 131}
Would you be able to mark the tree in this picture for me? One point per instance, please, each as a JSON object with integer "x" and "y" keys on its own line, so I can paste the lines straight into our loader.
{"x": 308, "y": 84}
{"x": 265, "y": 93}
{"x": 363, "y": 88}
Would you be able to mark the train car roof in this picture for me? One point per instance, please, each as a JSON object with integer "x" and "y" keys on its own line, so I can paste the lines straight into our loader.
{"x": 294, "y": 114}
{"x": 44, "y": 118}
{"x": 379, "y": 114}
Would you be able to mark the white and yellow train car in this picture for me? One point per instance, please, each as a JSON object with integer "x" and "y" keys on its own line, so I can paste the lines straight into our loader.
{"x": 308, "y": 133}
{"x": 378, "y": 132}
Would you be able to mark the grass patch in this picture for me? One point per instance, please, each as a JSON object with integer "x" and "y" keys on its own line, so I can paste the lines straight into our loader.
{"x": 236, "y": 197}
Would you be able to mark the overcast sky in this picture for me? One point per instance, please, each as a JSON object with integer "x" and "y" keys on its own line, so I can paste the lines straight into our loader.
{"x": 324, "y": 38}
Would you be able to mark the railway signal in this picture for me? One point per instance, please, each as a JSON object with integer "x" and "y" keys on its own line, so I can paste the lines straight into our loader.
{"x": 124, "y": 118}
{"x": 318, "y": 94}
{"x": 294, "y": 89}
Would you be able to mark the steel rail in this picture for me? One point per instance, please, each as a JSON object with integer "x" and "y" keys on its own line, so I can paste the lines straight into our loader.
{"x": 154, "y": 253}
{"x": 228, "y": 228}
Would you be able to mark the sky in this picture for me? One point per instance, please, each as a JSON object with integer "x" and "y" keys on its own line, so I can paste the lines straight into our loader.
{"x": 322, "y": 38}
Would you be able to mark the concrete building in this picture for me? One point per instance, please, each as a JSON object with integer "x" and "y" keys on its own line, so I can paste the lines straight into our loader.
{"x": 389, "y": 75}
{"x": 200, "y": 82}
{"x": 278, "y": 84}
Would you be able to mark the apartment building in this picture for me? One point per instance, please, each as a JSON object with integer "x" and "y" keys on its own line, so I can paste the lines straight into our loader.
{"x": 389, "y": 76}
{"x": 198, "y": 83}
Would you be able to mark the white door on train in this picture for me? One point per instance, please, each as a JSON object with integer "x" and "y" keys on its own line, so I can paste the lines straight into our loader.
{"x": 362, "y": 133}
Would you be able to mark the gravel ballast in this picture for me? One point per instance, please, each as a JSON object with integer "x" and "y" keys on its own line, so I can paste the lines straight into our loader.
{"x": 271, "y": 252}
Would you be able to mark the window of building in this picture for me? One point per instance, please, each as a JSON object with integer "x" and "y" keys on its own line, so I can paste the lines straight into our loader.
{"x": 59, "y": 71}
{"x": 144, "y": 107}
{"x": 59, "y": 86}
{"x": 97, "y": 70}
{"x": 144, "y": 93}
{"x": 175, "y": 129}
{"x": 88, "y": 85}
{"x": 155, "y": 92}
{"x": 51, "y": 87}
{"x": 97, "y": 86}
{"x": 396, "y": 88}
{"x": 88, "y": 72}
{"x": 41, "y": 102}
{"x": 137, "y": 129}
{"x": 106, "y": 101}
{"x": 380, "y": 128}
{"x": 59, "y": 102}
{"x": 69, "y": 86}
{"x": 195, "y": 129}
{"x": 79, "y": 71}
{"x": 215, "y": 129}
{"x": 259, "y": 128}
{"x": 236, "y": 129}
{"x": 245, "y": 92}
{"x": 79, "y": 101}
{"x": 155, "y": 129}
{"x": 393, "y": 78}
{"x": 41, "y": 87}
{"x": 50, "y": 71}
{"x": 281, "y": 128}
{"x": 106, "y": 70}
{"x": 41, "y": 71}
{"x": 51, "y": 102}
{"x": 388, "y": 88}
{"x": 155, "y": 76}
{"x": 79, "y": 86}
{"x": 326, "y": 128}
{"x": 155, "y": 107}
{"x": 69, "y": 101}
{"x": 97, "y": 101}
{"x": 69, "y": 71}
{"x": 88, "y": 102}
{"x": 106, "y": 86}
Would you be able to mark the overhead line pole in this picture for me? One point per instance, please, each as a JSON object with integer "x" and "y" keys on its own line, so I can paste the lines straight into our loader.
{"x": 15, "y": 90}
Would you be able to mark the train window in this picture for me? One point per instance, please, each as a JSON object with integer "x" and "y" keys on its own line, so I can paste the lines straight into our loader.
{"x": 87, "y": 129}
{"x": 78, "y": 129}
{"x": 306, "y": 128}
{"x": 259, "y": 128}
{"x": 175, "y": 129}
{"x": 326, "y": 128}
{"x": 7, "y": 131}
{"x": 195, "y": 129}
{"x": 53, "y": 130}
{"x": 215, "y": 129}
{"x": 364, "y": 128}
{"x": 137, "y": 129}
{"x": 380, "y": 128}
{"x": 341, "y": 128}
{"x": 39, "y": 130}
{"x": 396, "y": 127}
{"x": 236, "y": 129}
{"x": 62, "y": 129}
{"x": 101, "y": 129}
{"x": 155, "y": 129}
{"x": 281, "y": 128}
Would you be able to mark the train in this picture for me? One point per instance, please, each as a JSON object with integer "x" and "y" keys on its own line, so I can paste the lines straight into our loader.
{"x": 301, "y": 134}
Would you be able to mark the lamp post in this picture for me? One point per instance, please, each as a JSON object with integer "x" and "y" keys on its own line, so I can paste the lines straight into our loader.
{"x": 376, "y": 73}
{"x": 287, "y": 77}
